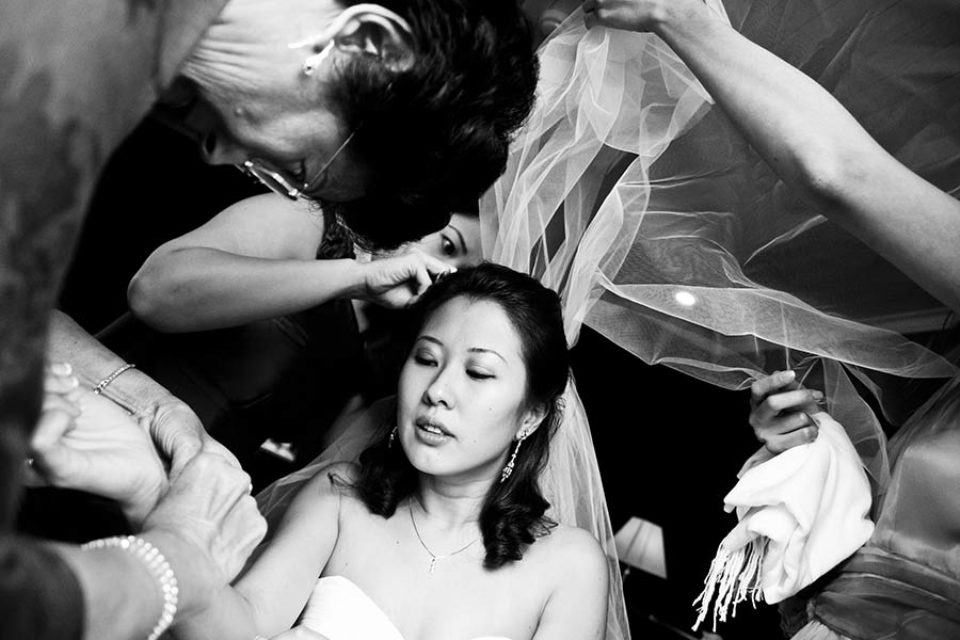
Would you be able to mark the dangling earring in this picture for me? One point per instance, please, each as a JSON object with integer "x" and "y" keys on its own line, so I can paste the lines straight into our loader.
{"x": 393, "y": 436}
{"x": 508, "y": 469}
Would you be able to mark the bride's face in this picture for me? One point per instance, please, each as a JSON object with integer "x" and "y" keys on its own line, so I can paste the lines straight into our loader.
{"x": 462, "y": 392}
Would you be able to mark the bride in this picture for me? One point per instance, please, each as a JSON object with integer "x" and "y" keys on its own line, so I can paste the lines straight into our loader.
{"x": 439, "y": 531}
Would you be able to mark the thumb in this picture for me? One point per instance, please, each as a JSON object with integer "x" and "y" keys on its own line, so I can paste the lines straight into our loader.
{"x": 423, "y": 280}
{"x": 175, "y": 442}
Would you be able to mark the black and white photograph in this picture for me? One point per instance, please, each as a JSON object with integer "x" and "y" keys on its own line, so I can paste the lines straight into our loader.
{"x": 479, "y": 320}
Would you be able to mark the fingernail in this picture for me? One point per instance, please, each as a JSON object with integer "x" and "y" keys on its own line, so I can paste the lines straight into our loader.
{"x": 61, "y": 368}
{"x": 818, "y": 396}
{"x": 790, "y": 374}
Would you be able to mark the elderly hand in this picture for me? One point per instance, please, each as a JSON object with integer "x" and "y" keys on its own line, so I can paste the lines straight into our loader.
{"x": 84, "y": 441}
{"x": 782, "y": 410}
{"x": 208, "y": 507}
{"x": 179, "y": 435}
{"x": 398, "y": 281}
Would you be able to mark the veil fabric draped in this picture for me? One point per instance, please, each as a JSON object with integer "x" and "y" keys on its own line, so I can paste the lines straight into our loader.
{"x": 640, "y": 202}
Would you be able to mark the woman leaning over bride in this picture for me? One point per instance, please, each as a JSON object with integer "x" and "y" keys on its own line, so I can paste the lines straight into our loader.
{"x": 439, "y": 531}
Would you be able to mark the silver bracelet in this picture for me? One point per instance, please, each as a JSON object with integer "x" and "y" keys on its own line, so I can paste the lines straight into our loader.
{"x": 113, "y": 376}
{"x": 157, "y": 565}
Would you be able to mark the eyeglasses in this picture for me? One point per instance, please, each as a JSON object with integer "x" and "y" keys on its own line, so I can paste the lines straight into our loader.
{"x": 274, "y": 179}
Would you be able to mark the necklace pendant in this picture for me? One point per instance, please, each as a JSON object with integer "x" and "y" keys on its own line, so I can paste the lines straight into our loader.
{"x": 433, "y": 564}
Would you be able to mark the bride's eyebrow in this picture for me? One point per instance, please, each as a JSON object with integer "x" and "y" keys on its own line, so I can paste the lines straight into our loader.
{"x": 482, "y": 350}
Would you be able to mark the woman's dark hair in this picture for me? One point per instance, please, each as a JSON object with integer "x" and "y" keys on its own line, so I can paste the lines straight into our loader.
{"x": 512, "y": 515}
{"x": 435, "y": 136}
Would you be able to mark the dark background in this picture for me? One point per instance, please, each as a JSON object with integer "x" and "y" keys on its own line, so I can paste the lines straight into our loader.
{"x": 669, "y": 459}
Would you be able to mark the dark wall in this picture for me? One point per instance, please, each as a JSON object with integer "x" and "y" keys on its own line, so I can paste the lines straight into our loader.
{"x": 154, "y": 188}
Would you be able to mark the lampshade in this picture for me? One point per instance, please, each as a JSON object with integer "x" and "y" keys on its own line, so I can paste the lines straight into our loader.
{"x": 640, "y": 545}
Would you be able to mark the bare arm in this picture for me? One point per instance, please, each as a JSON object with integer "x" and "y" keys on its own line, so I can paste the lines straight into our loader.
{"x": 257, "y": 260}
{"x": 276, "y": 585}
{"x": 810, "y": 140}
{"x": 254, "y": 260}
{"x": 173, "y": 425}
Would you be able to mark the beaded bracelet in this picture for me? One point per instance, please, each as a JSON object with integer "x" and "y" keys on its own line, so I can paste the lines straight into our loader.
{"x": 113, "y": 376}
{"x": 157, "y": 565}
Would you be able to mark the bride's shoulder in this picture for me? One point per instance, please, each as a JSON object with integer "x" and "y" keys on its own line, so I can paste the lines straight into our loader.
{"x": 566, "y": 548}
{"x": 570, "y": 568}
{"x": 330, "y": 482}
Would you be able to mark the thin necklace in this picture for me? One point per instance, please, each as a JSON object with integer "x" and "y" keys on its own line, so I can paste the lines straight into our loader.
{"x": 434, "y": 558}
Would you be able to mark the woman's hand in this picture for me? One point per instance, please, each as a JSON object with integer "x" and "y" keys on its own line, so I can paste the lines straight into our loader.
{"x": 398, "y": 281}
{"x": 84, "y": 441}
{"x": 782, "y": 411}
{"x": 633, "y": 15}
{"x": 179, "y": 435}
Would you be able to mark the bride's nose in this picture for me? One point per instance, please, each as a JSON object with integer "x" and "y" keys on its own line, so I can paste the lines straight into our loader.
{"x": 438, "y": 392}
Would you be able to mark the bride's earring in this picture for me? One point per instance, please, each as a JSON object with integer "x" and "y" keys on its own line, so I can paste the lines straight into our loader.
{"x": 393, "y": 436}
{"x": 508, "y": 469}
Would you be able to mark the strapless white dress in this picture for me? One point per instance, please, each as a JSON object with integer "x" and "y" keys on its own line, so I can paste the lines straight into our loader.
{"x": 340, "y": 610}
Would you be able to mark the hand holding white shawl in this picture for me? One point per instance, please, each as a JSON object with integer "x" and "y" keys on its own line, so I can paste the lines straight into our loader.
{"x": 801, "y": 513}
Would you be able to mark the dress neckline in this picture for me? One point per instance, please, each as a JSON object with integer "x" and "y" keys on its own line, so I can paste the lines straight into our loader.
{"x": 363, "y": 594}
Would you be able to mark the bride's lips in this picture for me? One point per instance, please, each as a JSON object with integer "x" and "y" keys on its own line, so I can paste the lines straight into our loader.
{"x": 431, "y": 431}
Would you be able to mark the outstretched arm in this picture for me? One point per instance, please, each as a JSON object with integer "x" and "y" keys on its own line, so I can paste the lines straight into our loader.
{"x": 275, "y": 586}
{"x": 257, "y": 260}
{"x": 809, "y": 139}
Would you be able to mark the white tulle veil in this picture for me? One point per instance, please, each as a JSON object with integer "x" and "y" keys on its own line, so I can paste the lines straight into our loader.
{"x": 664, "y": 231}
{"x": 636, "y": 199}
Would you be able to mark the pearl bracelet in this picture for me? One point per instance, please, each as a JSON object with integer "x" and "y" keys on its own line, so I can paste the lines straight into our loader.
{"x": 157, "y": 565}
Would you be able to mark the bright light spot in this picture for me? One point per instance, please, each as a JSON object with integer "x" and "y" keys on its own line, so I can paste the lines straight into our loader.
{"x": 685, "y": 298}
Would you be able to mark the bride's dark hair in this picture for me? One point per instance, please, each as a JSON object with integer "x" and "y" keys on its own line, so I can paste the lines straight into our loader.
{"x": 512, "y": 515}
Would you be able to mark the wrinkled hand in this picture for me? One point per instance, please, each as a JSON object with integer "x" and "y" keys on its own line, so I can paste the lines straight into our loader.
{"x": 629, "y": 15}
{"x": 84, "y": 441}
{"x": 782, "y": 411}
{"x": 179, "y": 435}
{"x": 209, "y": 507}
{"x": 398, "y": 281}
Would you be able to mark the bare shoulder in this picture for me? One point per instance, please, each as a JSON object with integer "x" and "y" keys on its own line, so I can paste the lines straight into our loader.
{"x": 565, "y": 549}
{"x": 572, "y": 567}
{"x": 331, "y": 484}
